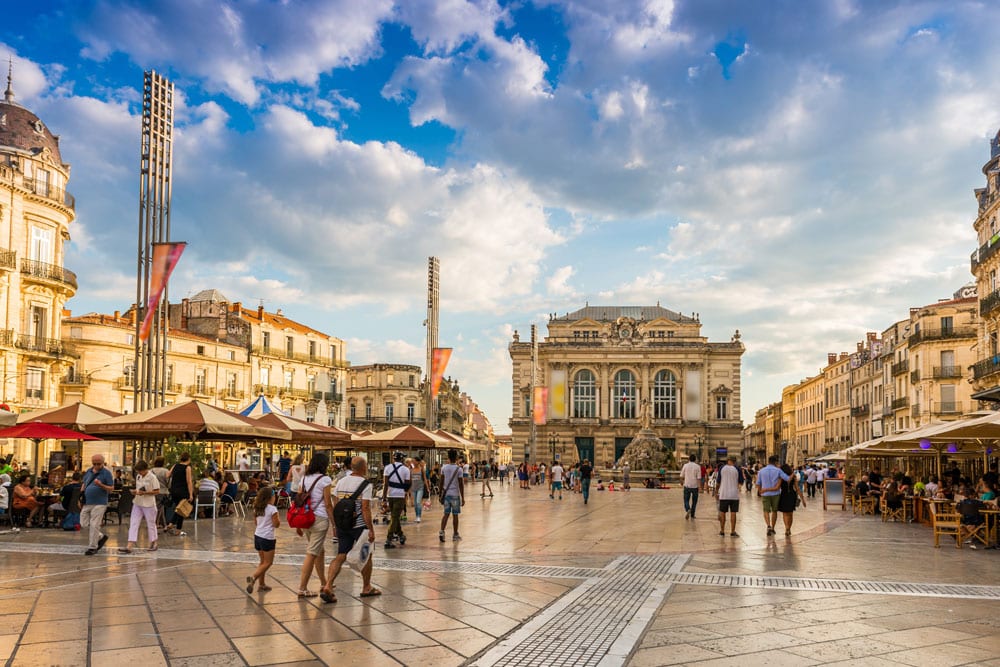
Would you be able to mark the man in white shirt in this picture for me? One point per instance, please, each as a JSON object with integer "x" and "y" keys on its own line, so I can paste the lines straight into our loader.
{"x": 730, "y": 479}
{"x": 557, "y": 480}
{"x": 397, "y": 481}
{"x": 346, "y": 540}
{"x": 243, "y": 462}
{"x": 811, "y": 481}
{"x": 691, "y": 479}
{"x": 452, "y": 494}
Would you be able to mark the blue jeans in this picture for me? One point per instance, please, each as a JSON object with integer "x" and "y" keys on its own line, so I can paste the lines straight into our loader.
{"x": 690, "y": 499}
{"x": 418, "y": 496}
{"x": 585, "y": 487}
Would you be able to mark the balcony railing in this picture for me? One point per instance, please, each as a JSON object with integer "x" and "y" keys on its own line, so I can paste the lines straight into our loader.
{"x": 43, "y": 189}
{"x": 900, "y": 367}
{"x": 886, "y": 411}
{"x": 125, "y": 382}
{"x": 915, "y": 410}
{"x": 8, "y": 259}
{"x": 947, "y": 372}
{"x": 52, "y": 346}
{"x": 941, "y": 334}
{"x": 915, "y": 376}
{"x": 232, "y": 393}
{"x": 266, "y": 389}
{"x": 7, "y": 337}
{"x": 900, "y": 403}
{"x": 76, "y": 379}
{"x": 196, "y": 390}
{"x": 401, "y": 421}
{"x": 985, "y": 367}
{"x": 948, "y": 408}
{"x": 54, "y": 272}
{"x": 317, "y": 359}
{"x": 989, "y": 303}
{"x": 860, "y": 410}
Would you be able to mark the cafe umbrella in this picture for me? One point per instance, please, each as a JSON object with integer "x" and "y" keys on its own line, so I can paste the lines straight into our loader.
{"x": 77, "y": 416}
{"x": 38, "y": 431}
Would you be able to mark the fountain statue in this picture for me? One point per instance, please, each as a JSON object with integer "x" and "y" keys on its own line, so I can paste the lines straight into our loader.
{"x": 646, "y": 451}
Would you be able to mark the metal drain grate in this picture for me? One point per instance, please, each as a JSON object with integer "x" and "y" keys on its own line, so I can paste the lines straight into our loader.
{"x": 496, "y": 569}
{"x": 968, "y": 591}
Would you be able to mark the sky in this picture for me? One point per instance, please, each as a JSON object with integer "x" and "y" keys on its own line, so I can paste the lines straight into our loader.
{"x": 800, "y": 171}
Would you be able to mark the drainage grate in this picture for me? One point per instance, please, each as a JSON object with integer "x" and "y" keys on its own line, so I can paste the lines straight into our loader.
{"x": 968, "y": 591}
{"x": 496, "y": 569}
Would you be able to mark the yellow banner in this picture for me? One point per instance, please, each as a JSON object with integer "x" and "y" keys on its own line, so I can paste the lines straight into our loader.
{"x": 557, "y": 394}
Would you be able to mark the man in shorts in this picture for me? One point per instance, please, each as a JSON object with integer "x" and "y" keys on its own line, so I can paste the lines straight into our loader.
{"x": 728, "y": 489}
{"x": 347, "y": 539}
{"x": 768, "y": 478}
{"x": 452, "y": 494}
{"x": 557, "y": 480}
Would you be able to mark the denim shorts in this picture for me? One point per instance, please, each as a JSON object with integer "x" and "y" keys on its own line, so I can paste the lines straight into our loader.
{"x": 263, "y": 544}
{"x": 452, "y": 505}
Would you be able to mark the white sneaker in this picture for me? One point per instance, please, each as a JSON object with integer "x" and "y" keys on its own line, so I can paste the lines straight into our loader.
{"x": 456, "y": 537}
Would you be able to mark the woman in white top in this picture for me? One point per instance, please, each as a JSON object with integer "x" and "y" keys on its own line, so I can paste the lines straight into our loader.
{"x": 147, "y": 488}
{"x": 318, "y": 484}
{"x": 296, "y": 473}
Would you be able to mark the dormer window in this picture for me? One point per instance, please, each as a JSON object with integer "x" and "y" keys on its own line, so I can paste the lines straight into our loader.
{"x": 38, "y": 127}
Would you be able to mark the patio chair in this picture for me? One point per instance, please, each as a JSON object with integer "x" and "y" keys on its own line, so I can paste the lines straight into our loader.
{"x": 893, "y": 513}
{"x": 238, "y": 505}
{"x": 946, "y": 523}
{"x": 973, "y": 524}
{"x": 205, "y": 498}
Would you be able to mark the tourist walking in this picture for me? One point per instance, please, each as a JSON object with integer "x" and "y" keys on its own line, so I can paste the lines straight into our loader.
{"x": 147, "y": 488}
{"x": 788, "y": 499}
{"x": 691, "y": 480}
{"x": 487, "y": 473}
{"x": 811, "y": 481}
{"x": 264, "y": 540}
{"x": 626, "y": 476}
{"x": 181, "y": 488}
{"x": 346, "y": 539}
{"x": 557, "y": 480}
{"x": 418, "y": 476}
{"x": 97, "y": 483}
{"x": 162, "y": 500}
{"x": 396, "y": 484}
{"x": 452, "y": 495}
{"x": 770, "y": 491}
{"x": 730, "y": 480}
{"x": 586, "y": 472}
{"x": 316, "y": 485}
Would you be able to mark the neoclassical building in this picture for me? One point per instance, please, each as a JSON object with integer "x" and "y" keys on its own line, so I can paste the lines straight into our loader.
{"x": 35, "y": 216}
{"x": 616, "y": 364}
{"x": 385, "y": 396}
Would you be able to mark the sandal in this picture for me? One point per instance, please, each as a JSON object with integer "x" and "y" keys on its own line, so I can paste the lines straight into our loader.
{"x": 153, "y": 547}
{"x": 250, "y": 582}
{"x": 327, "y": 597}
{"x": 372, "y": 593}
{"x": 263, "y": 589}
{"x": 123, "y": 550}
{"x": 307, "y": 594}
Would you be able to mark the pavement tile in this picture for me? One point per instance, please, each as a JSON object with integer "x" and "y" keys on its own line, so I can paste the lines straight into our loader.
{"x": 675, "y": 654}
{"x": 357, "y": 653}
{"x": 769, "y": 658}
{"x": 111, "y": 637}
{"x": 119, "y": 615}
{"x": 147, "y": 656}
{"x": 247, "y": 625}
{"x": 12, "y": 623}
{"x": 192, "y": 642}
{"x": 917, "y": 637}
{"x": 39, "y": 632}
{"x": 833, "y": 631}
{"x": 216, "y": 660}
{"x": 434, "y": 656}
{"x": 493, "y": 624}
{"x": 391, "y": 637}
{"x": 169, "y": 621}
{"x": 842, "y": 649}
{"x": 427, "y": 620}
{"x": 467, "y": 641}
{"x": 70, "y": 653}
{"x": 942, "y": 655}
{"x": 272, "y": 649}
{"x": 320, "y": 631}
{"x": 750, "y": 643}
{"x": 988, "y": 643}
{"x": 7, "y": 644}
{"x": 515, "y": 610}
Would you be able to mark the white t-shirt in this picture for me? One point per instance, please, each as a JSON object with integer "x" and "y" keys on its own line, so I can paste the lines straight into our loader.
{"x": 265, "y": 526}
{"x": 147, "y": 482}
{"x": 396, "y": 473}
{"x": 450, "y": 474}
{"x": 244, "y": 463}
{"x": 348, "y": 485}
{"x": 691, "y": 475}
{"x": 820, "y": 475}
{"x": 557, "y": 473}
{"x": 316, "y": 497}
{"x": 729, "y": 483}
{"x": 811, "y": 476}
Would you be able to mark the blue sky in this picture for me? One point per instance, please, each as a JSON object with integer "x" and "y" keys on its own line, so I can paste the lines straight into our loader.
{"x": 800, "y": 171}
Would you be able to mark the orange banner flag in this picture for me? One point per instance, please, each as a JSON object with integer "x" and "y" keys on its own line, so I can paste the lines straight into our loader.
{"x": 540, "y": 405}
{"x": 165, "y": 258}
{"x": 439, "y": 361}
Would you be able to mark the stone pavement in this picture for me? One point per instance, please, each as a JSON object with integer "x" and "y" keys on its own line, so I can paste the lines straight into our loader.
{"x": 624, "y": 580}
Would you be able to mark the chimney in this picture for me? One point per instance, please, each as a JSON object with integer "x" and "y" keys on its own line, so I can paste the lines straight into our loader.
{"x": 844, "y": 355}
{"x": 861, "y": 346}
{"x": 260, "y": 312}
{"x": 872, "y": 336}
{"x": 831, "y": 358}
{"x": 118, "y": 315}
{"x": 238, "y": 308}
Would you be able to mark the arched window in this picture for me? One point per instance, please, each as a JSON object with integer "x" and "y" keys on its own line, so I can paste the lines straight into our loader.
{"x": 624, "y": 395}
{"x": 584, "y": 395}
{"x": 665, "y": 395}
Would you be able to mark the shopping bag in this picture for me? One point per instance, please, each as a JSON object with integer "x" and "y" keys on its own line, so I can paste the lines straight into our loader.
{"x": 184, "y": 508}
{"x": 361, "y": 552}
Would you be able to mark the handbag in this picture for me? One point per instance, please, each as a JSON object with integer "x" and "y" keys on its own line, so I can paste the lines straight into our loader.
{"x": 300, "y": 513}
{"x": 184, "y": 508}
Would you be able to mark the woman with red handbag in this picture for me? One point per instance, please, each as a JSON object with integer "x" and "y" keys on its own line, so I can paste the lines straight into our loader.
{"x": 313, "y": 498}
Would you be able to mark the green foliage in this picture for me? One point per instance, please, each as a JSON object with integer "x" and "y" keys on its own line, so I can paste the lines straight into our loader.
{"x": 172, "y": 450}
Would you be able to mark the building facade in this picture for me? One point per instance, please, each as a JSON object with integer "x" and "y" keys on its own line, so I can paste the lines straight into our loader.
{"x": 837, "y": 402}
{"x": 619, "y": 367}
{"x": 384, "y": 396}
{"x": 810, "y": 428}
{"x": 985, "y": 265}
{"x": 36, "y": 213}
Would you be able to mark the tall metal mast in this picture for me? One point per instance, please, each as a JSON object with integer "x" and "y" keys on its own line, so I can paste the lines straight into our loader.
{"x": 433, "y": 306}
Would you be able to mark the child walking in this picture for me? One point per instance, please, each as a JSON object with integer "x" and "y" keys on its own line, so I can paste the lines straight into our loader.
{"x": 264, "y": 540}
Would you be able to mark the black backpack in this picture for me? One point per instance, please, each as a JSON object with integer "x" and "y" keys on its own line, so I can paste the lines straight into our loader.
{"x": 345, "y": 511}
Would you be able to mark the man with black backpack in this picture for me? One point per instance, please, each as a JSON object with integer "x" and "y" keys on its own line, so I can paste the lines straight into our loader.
{"x": 352, "y": 515}
{"x": 397, "y": 483}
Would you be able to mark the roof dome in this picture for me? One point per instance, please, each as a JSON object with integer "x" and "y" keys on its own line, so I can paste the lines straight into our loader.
{"x": 22, "y": 130}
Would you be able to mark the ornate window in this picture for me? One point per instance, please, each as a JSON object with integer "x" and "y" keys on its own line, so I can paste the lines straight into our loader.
{"x": 665, "y": 395}
{"x": 584, "y": 395}
{"x": 624, "y": 395}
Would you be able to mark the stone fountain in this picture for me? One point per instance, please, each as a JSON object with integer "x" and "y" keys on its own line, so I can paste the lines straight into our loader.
{"x": 646, "y": 451}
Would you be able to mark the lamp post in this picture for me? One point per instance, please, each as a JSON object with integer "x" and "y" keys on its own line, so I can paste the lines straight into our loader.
{"x": 700, "y": 441}
{"x": 553, "y": 441}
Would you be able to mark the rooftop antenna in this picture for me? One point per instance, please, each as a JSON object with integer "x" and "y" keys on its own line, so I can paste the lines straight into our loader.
{"x": 8, "y": 95}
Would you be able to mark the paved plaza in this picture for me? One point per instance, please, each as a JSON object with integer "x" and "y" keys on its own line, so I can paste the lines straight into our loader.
{"x": 623, "y": 580}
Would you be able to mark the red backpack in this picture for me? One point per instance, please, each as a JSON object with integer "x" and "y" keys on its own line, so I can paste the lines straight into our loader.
{"x": 300, "y": 513}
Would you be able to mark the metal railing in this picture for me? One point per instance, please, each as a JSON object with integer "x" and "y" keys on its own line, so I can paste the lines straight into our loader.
{"x": 52, "y": 346}
{"x": 900, "y": 403}
{"x": 915, "y": 376}
{"x": 44, "y": 189}
{"x": 941, "y": 334}
{"x": 77, "y": 379}
{"x": 195, "y": 390}
{"x": 317, "y": 359}
{"x": 46, "y": 271}
{"x": 8, "y": 259}
{"x": 947, "y": 372}
{"x": 948, "y": 408}
{"x": 232, "y": 393}
{"x": 357, "y": 421}
{"x": 989, "y": 303}
{"x": 7, "y": 337}
{"x": 900, "y": 367}
{"x": 915, "y": 410}
{"x": 860, "y": 410}
{"x": 985, "y": 367}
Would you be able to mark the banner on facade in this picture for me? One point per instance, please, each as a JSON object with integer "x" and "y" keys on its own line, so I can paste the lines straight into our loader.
{"x": 557, "y": 394}
{"x": 165, "y": 258}
{"x": 439, "y": 361}
{"x": 539, "y": 405}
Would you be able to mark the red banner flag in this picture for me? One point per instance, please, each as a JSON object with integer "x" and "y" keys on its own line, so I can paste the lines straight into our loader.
{"x": 165, "y": 258}
{"x": 540, "y": 405}
{"x": 439, "y": 361}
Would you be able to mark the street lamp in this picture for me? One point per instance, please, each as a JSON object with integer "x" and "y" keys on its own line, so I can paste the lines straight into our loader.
{"x": 553, "y": 441}
{"x": 700, "y": 441}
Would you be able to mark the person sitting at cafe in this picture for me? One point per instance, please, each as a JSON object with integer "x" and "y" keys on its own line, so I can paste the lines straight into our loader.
{"x": 931, "y": 487}
{"x": 119, "y": 480}
{"x": 24, "y": 499}
{"x": 66, "y": 494}
{"x": 208, "y": 483}
{"x": 893, "y": 497}
{"x": 229, "y": 491}
{"x": 4, "y": 493}
{"x": 862, "y": 488}
{"x": 989, "y": 491}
